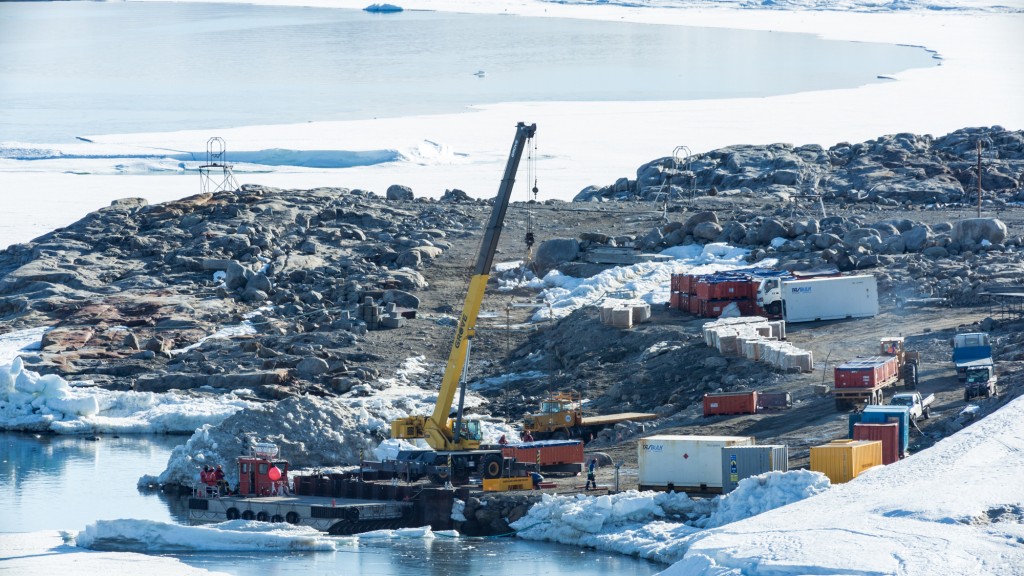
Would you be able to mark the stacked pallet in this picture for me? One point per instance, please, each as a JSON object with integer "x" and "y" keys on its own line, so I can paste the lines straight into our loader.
{"x": 758, "y": 339}
{"x": 620, "y": 314}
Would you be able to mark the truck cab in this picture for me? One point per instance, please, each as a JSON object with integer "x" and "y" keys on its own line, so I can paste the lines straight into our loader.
{"x": 558, "y": 413}
{"x": 769, "y": 295}
{"x": 909, "y": 362}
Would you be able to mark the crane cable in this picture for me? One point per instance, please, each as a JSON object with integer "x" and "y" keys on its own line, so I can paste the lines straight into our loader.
{"x": 531, "y": 176}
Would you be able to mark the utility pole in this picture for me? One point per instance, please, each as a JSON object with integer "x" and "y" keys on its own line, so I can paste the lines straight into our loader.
{"x": 979, "y": 178}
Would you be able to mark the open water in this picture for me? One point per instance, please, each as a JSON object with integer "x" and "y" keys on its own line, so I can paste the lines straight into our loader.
{"x": 68, "y": 482}
{"x": 74, "y": 69}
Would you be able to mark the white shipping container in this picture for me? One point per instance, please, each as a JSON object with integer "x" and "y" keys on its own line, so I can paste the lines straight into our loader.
{"x": 829, "y": 298}
{"x": 684, "y": 463}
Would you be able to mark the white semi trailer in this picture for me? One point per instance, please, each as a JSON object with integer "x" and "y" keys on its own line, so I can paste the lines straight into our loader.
{"x": 831, "y": 298}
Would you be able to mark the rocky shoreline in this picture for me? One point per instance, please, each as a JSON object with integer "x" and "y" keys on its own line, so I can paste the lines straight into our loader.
{"x": 298, "y": 298}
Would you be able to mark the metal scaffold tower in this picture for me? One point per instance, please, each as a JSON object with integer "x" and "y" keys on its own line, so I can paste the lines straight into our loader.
{"x": 216, "y": 174}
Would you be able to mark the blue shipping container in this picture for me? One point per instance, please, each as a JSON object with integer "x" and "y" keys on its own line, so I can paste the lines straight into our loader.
{"x": 883, "y": 414}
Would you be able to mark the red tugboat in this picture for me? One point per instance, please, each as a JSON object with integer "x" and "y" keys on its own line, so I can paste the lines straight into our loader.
{"x": 261, "y": 473}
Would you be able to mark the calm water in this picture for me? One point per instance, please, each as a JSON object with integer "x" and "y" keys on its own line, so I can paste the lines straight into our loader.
{"x": 83, "y": 68}
{"x": 66, "y": 483}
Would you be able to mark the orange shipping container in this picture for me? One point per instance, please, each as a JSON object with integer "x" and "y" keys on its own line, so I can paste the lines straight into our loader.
{"x": 887, "y": 434}
{"x": 844, "y": 460}
{"x": 730, "y": 403}
{"x": 552, "y": 455}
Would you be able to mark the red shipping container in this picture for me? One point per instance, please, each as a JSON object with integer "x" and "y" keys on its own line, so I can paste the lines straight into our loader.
{"x": 731, "y": 290}
{"x": 676, "y": 282}
{"x": 673, "y": 300}
{"x": 888, "y": 434}
{"x": 684, "y": 302}
{"x": 713, "y": 308}
{"x": 703, "y": 289}
{"x": 748, "y": 307}
{"x": 686, "y": 282}
{"x": 730, "y": 403}
{"x": 866, "y": 372}
{"x": 694, "y": 305}
{"x": 546, "y": 452}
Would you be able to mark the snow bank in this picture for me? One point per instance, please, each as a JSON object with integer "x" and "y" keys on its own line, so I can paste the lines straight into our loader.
{"x": 647, "y": 281}
{"x": 14, "y": 343}
{"x": 319, "y": 432}
{"x": 234, "y": 535}
{"x": 48, "y": 553}
{"x": 656, "y": 525}
{"x": 954, "y": 509}
{"x": 31, "y": 402}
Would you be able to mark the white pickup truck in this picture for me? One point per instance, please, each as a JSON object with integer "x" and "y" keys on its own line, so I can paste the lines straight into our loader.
{"x": 918, "y": 405}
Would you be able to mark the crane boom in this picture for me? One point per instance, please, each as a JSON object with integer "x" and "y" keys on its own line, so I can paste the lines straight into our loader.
{"x": 437, "y": 429}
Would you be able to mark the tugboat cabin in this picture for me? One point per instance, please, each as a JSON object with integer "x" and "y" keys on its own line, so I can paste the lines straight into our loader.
{"x": 260, "y": 473}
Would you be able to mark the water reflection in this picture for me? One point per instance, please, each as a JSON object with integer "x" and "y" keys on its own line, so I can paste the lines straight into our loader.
{"x": 68, "y": 482}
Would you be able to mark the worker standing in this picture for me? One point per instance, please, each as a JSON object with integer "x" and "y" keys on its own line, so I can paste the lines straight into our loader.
{"x": 591, "y": 478}
{"x": 204, "y": 478}
{"x": 527, "y": 437}
{"x": 503, "y": 441}
{"x": 218, "y": 478}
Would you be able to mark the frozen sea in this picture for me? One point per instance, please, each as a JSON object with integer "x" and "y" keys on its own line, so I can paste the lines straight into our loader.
{"x": 80, "y": 69}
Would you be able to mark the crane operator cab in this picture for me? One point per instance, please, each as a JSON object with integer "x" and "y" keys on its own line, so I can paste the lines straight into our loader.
{"x": 469, "y": 430}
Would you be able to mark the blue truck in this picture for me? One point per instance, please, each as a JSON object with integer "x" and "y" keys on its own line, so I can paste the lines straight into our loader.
{"x": 971, "y": 350}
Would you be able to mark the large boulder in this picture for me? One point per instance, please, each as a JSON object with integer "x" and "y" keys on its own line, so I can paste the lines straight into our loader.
{"x": 861, "y": 236}
{"x": 455, "y": 195}
{"x": 772, "y": 229}
{"x": 707, "y": 231}
{"x": 699, "y": 218}
{"x": 237, "y": 276}
{"x": 399, "y": 192}
{"x": 556, "y": 251}
{"x": 916, "y": 238}
{"x": 974, "y": 230}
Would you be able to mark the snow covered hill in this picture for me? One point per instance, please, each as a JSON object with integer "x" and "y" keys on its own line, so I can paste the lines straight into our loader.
{"x": 955, "y": 509}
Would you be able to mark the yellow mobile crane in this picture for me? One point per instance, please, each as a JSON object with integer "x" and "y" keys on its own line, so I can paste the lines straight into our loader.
{"x": 456, "y": 444}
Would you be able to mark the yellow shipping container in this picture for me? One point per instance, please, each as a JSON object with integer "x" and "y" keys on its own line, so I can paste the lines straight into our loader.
{"x": 504, "y": 484}
{"x": 844, "y": 460}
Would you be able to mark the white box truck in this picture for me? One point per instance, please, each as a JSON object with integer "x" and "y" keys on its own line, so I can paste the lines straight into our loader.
{"x": 830, "y": 298}
{"x": 684, "y": 463}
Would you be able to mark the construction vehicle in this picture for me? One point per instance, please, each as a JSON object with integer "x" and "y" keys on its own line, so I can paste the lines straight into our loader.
{"x": 561, "y": 416}
{"x": 909, "y": 362}
{"x": 455, "y": 452}
{"x": 862, "y": 381}
{"x": 799, "y": 300}
{"x": 980, "y": 381}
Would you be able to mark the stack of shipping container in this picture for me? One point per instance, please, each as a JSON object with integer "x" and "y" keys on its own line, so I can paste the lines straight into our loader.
{"x": 707, "y": 295}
